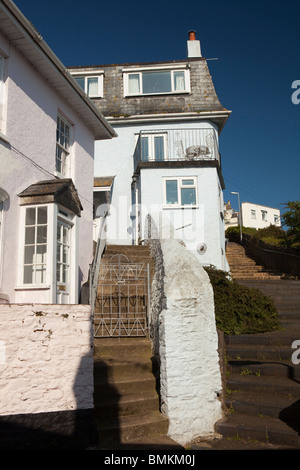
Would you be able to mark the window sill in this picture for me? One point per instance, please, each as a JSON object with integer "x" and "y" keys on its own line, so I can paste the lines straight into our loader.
{"x": 33, "y": 287}
{"x": 143, "y": 95}
{"x": 180, "y": 207}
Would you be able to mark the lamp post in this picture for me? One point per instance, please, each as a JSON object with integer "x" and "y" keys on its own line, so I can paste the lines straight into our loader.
{"x": 240, "y": 215}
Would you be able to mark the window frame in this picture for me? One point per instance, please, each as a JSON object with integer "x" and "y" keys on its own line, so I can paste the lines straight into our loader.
{"x": 180, "y": 186}
{"x": 34, "y": 264}
{"x": 171, "y": 69}
{"x": 253, "y": 214}
{"x": 151, "y": 145}
{"x": 65, "y": 150}
{"x": 92, "y": 74}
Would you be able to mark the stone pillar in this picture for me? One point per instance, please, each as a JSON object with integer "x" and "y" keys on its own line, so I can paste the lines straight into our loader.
{"x": 190, "y": 372}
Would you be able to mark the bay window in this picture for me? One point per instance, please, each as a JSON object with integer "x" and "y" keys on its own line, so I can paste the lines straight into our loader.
{"x": 35, "y": 245}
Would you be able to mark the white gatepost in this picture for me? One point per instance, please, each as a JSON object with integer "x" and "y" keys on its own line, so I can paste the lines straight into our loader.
{"x": 190, "y": 373}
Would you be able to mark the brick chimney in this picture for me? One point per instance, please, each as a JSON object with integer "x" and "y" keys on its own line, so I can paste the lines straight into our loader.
{"x": 193, "y": 46}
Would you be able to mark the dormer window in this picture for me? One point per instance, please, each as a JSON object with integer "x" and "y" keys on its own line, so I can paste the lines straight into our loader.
{"x": 156, "y": 81}
{"x": 91, "y": 83}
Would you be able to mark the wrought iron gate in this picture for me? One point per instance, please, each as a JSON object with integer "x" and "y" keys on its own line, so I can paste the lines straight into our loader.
{"x": 121, "y": 307}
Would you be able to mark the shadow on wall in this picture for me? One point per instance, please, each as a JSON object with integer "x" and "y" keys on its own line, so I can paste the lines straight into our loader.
{"x": 60, "y": 430}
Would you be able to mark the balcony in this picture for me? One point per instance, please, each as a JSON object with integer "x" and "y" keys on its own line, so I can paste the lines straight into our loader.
{"x": 176, "y": 145}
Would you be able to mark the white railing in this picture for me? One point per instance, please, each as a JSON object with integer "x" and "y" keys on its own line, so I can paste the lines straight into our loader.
{"x": 95, "y": 266}
{"x": 176, "y": 145}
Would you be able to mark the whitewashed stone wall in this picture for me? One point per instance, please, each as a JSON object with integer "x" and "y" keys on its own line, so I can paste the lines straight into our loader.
{"x": 190, "y": 372}
{"x": 46, "y": 358}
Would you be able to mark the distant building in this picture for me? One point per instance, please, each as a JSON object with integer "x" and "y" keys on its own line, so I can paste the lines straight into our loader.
{"x": 165, "y": 161}
{"x": 231, "y": 217}
{"x": 258, "y": 216}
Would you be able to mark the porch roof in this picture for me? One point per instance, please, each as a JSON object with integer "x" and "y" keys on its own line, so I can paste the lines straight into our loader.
{"x": 60, "y": 191}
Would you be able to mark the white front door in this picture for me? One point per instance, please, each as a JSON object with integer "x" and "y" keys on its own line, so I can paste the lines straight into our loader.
{"x": 63, "y": 262}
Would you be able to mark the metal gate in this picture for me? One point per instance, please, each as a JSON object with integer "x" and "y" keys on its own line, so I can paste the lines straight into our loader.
{"x": 121, "y": 306}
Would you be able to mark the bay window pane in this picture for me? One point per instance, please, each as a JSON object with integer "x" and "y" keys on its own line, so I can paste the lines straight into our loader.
{"x": 28, "y": 254}
{"x": 42, "y": 215}
{"x": 29, "y": 235}
{"x": 41, "y": 251}
{"x": 188, "y": 196}
{"x": 28, "y": 274}
{"x": 157, "y": 82}
{"x": 41, "y": 234}
{"x": 171, "y": 192}
{"x": 30, "y": 216}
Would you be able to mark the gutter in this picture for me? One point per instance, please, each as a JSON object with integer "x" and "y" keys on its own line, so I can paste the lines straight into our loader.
{"x": 36, "y": 37}
{"x": 171, "y": 117}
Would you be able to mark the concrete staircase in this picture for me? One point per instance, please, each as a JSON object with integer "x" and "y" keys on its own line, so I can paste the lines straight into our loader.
{"x": 263, "y": 384}
{"x": 243, "y": 267}
{"x": 126, "y": 396}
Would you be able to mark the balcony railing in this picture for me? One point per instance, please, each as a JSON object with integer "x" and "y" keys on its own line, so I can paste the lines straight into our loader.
{"x": 176, "y": 145}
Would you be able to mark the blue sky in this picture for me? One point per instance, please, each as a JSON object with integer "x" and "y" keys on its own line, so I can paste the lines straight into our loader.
{"x": 257, "y": 45}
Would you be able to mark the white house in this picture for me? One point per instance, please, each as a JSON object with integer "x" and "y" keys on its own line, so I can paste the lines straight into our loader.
{"x": 48, "y": 127}
{"x": 165, "y": 161}
{"x": 259, "y": 216}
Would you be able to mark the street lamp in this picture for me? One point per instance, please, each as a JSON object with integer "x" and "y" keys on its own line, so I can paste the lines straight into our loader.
{"x": 240, "y": 215}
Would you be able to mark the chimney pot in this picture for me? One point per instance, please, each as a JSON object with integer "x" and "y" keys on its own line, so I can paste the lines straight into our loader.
{"x": 192, "y": 35}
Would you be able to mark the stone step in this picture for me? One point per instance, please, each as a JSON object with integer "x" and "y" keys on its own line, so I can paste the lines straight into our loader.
{"x": 126, "y": 430}
{"x": 275, "y": 338}
{"x": 259, "y": 352}
{"x": 265, "y": 384}
{"x": 126, "y": 399}
{"x": 262, "y": 429}
{"x": 264, "y": 404}
{"x": 264, "y": 368}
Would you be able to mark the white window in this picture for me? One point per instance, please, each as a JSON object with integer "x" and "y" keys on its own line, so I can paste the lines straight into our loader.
{"x": 35, "y": 245}
{"x": 276, "y": 219}
{"x": 264, "y": 215}
{"x": 180, "y": 192}
{"x": 153, "y": 147}
{"x": 253, "y": 214}
{"x": 63, "y": 143}
{"x": 156, "y": 81}
{"x": 91, "y": 84}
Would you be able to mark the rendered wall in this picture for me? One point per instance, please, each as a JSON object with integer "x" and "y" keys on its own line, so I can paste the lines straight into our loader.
{"x": 46, "y": 364}
{"x": 27, "y": 155}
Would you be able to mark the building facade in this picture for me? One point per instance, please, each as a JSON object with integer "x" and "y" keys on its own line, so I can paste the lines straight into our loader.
{"x": 259, "y": 216}
{"x": 165, "y": 162}
{"x": 47, "y": 133}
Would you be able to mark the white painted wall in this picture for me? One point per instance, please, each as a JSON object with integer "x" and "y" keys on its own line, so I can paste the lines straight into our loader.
{"x": 257, "y": 222}
{"x": 29, "y": 135}
{"x": 115, "y": 158}
{"x": 195, "y": 226}
{"x": 46, "y": 358}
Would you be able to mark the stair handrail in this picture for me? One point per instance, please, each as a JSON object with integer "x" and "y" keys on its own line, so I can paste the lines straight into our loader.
{"x": 95, "y": 265}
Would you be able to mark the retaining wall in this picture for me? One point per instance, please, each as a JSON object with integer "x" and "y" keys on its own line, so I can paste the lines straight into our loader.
{"x": 46, "y": 380}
